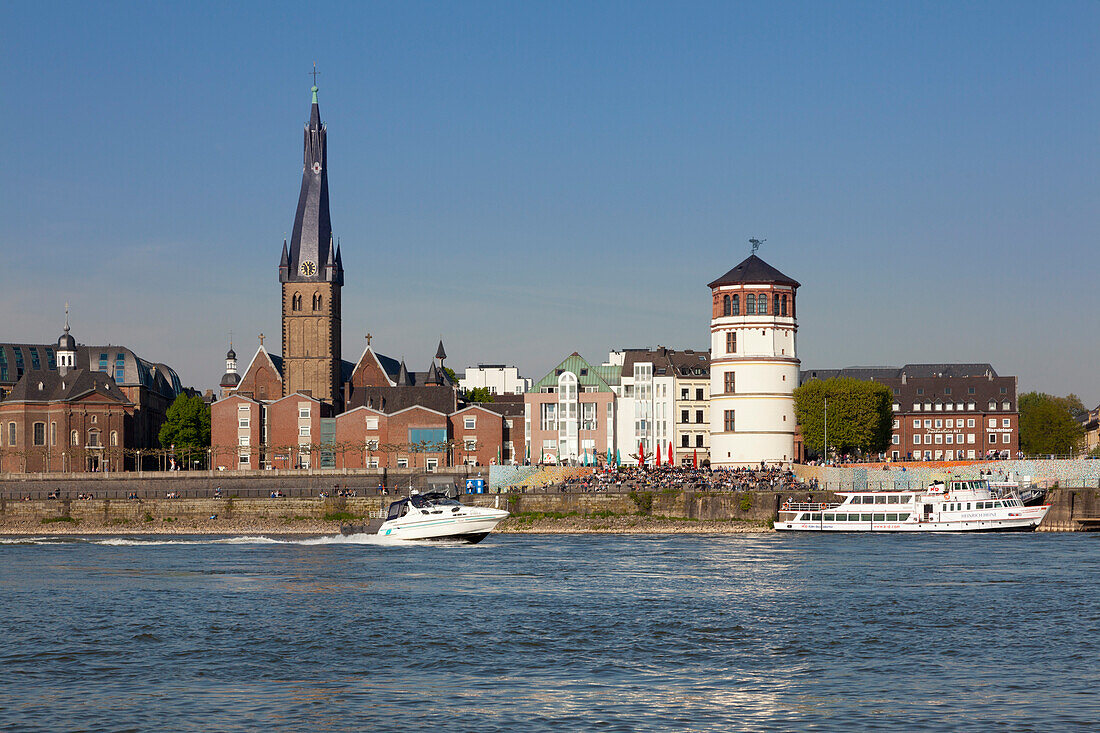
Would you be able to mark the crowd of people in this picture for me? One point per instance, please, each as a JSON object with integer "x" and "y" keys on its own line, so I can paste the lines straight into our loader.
{"x": 638, "y": 478}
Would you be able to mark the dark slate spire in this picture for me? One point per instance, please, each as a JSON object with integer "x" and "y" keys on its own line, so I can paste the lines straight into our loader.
{"x": 311, "y": 242}
{"x": 434, "y": 375}
{"x": 403, "y": 376}
{"x": 440, "y": 353}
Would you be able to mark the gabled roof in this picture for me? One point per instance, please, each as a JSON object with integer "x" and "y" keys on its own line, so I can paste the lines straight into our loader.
{"x": 276, "y": 362}
{"x": 754, "y": 270}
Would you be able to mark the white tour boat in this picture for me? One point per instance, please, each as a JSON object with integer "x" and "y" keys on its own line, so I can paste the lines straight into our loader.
{"x": 955, "y": 506}
{"x": 435, "y": 516}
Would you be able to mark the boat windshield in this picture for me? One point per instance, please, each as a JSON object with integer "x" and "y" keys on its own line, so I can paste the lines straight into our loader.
{"x": 421, "y": 501}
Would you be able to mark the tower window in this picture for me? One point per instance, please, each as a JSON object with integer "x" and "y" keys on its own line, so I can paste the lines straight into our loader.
{"x": 729, "y": 422}
{"x": 296, "y": 302}
{"x": 750, "y": 304}
{"x": 729, "y": 386}
{"x": 731, "y": 342}
{"x": 775, "y": 309}
{"x": 783, "y": 303}
{"x": 762, "y": 304}
{"x": 735, "y": 304}
{"x": 725, "y": 305}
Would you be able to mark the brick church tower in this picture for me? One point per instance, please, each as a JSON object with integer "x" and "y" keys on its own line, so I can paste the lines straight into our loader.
{"x": 312, "y": 273}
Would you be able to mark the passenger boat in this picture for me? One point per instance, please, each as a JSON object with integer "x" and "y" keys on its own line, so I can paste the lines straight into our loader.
{"x": 955, "y": 506}
{"x": 435, "y": 516}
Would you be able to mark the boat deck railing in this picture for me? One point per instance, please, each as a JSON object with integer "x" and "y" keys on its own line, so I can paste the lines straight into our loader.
{"x": 806, "y": 506}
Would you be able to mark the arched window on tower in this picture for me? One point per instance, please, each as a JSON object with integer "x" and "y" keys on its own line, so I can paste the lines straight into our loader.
{"x": 320, "y": 302}
{"x": 762, "y": 304}
{"x": 784, "y": 304}
{"x": 775, "y": 305}
{"x": 296, "y": 302}
{"x": 725, "y": 305}
{"x": 735, "y": 304}
{"x": 750, "y": 304}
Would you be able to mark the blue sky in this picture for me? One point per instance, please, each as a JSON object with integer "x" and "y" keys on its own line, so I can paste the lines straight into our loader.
{"x": 530, "y": 179}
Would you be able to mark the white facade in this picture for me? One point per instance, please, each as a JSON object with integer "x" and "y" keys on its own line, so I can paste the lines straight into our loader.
{"x": 754, "y": 372}
{"x": 645, "y": 398}
{"x": 497, "y": 378}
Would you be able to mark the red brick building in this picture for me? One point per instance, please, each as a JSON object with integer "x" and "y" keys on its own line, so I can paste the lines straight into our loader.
{"x": 945, "y": 412}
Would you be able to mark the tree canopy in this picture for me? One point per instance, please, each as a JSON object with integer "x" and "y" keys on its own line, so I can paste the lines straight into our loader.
{"x": 860, "y": 414}
{"x": 1048, "y": 425}
{"x": 187, "y": 425}
{"x": 479, "y": 394}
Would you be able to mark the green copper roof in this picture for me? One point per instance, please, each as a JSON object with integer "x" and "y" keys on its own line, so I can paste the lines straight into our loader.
{"x": 601, "y": 377}
{"x": 314, "y": 90}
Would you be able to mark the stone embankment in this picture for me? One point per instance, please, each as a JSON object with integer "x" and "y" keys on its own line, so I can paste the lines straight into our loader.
{"x": 660, "y": 511}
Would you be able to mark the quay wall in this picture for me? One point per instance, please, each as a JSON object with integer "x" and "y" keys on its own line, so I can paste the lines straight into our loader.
{"x": 1069, "y": 507}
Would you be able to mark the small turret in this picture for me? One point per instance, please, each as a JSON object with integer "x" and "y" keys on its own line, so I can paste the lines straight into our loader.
{"x": 230, "y": 379}
{"x": 66, "y": 349}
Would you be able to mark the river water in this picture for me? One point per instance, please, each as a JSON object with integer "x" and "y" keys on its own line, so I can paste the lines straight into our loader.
{"x": 543, "y": 632}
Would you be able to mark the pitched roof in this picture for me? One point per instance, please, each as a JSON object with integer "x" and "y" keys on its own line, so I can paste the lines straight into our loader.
{"x": 393, "y": 399}
{"x": 43, "y": 385}
{"x": 753, "y": 270}
{"x": 601, "y": 377}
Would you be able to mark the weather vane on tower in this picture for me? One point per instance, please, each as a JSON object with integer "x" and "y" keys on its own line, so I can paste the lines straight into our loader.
{"x": 756, "y": 243}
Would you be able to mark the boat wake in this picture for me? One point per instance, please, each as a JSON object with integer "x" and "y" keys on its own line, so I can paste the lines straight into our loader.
{"x": 259, "y": 540}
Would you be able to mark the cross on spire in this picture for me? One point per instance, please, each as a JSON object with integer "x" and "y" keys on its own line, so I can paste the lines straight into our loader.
{"x": 261, "y": 339}
{"x": 315, "y": 73}
{"x": 66, "y": 315}
{"x": 369, "y": 337}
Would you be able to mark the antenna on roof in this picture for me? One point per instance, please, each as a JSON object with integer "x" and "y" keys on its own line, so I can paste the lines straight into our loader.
{"x": 756, "y": 243}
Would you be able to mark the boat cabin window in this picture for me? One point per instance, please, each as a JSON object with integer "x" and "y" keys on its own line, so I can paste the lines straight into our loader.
{"x": 397, "y": 509}
{"x": 815, "y": 517}
{"x": 865, "y": 517}
{"x": 997, "y": 505}
{"x": 895, "y": 500}
{"x": 880, "y": 499}
{"x": 829, "y": 517}
{"x": 880, "y": 518}
{"x": 891, "y": 517}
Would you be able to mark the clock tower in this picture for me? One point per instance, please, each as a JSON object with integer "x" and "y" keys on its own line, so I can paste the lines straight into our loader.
{"x": 312, "y": 273}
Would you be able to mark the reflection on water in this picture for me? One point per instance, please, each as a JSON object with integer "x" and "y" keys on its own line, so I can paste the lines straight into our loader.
{"x": 550, "y": 633}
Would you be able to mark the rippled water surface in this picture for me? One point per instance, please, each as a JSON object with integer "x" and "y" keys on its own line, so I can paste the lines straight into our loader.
{"x": 760, "y": 632}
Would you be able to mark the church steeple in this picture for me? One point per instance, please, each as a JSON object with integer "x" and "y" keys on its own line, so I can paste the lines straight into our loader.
{"x": 310, "y": 258}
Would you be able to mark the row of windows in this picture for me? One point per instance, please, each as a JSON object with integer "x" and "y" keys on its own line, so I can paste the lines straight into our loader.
{"x": 952, "y": 406}
{"x": 947, "y": 390}
{"x": 881, "y": 499}
{"x": 951, "y": 439}
{"x": 685, "y": 440}
{"x": 20, "y": 364}
{"x": 38, "y": 435}
{"x": 754, "y": 304}
{"x": 885, "y": 517}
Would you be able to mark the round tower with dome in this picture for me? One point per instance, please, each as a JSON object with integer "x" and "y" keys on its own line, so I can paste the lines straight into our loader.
{"x": 754, "y": 366}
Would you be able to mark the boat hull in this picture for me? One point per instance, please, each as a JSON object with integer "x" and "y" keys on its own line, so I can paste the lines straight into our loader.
{"x": 1028, "y": 522}
{"x": 471, "y": 529}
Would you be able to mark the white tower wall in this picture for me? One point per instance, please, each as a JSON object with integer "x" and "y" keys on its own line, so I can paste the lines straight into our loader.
{"x": 763, "y": 360}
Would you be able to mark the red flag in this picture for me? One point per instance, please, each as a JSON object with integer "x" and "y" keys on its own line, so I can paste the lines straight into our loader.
{"x": 670, "y": 461}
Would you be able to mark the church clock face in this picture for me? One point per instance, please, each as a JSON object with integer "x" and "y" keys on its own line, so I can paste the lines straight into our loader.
{"x": 308, "y": 268}
{"x": 316, "y": 168}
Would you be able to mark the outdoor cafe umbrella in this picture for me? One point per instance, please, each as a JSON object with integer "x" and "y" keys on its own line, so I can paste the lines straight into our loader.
{"x": 695, "y": 459}
{"x": 641, "y": 453}
{"x": 657, "y": 456}
{"x": 618, "y": 458}
{"x": 670, "y": 452}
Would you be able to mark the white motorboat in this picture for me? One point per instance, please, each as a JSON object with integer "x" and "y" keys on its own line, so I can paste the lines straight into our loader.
{"x": 955, "y": 506}
{"x": 435, "y": 516}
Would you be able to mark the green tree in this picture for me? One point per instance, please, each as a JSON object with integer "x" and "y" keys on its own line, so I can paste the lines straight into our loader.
{"x": 860, "y": 414}
{"x": 187, "y": 425}
{"x": 1048, "y": 425}
{"x": 479, "y": 394}
{"x": 451, "y": 373}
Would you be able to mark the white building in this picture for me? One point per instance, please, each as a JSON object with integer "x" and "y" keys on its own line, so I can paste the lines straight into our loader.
{"x": 497, "y": 378}
{"x": 754, "y": 366}
{"x": 645, "y": 399}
